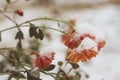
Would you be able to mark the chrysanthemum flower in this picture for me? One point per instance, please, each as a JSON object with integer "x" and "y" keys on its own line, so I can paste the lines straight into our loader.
{"x": 89, "y": 43}
{"x": 43, "y": 61}
{"x": 85, "y": 51}
{"x": 71, "y": 43}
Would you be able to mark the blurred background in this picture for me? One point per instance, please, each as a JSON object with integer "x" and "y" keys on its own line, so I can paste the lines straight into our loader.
{"x": 103, "y": 14}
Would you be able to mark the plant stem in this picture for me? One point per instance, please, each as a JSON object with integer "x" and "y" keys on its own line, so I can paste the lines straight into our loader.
{"x": 69, "y": 71}
{"x": 8, "y": 29}
{"x": 22, "y": 24}
{"x": 45, "y": 18}
{"x": 54, "y": 29}
{"x": 8, "y": 58}
{"x": 9, "y": 19}
{"x": 38, "y": 27}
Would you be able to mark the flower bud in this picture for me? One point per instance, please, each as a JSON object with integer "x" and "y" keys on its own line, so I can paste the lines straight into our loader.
{"x": 19, "y": 12}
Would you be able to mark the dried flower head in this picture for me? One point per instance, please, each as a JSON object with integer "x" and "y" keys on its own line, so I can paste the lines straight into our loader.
{"x": 43, "y": 61}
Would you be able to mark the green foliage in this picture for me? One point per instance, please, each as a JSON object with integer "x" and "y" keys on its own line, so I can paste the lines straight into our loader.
{"x": 19, "y": 35}
{"x": 32, "y": 30}
{"x": 16, "y": 75}
{"x": 60, "y": 63}
{"x": 41, "y": 36}
{"x": 35, "y": 73}
{"x": 31, "y": 77}
{"x": 2, "y": 66}
{"x": 34, "y": 45}
{"x": 35, "y": 32}
{"x": 74, "y": 65}
{"x": 86, "y": 75}
{"x": 14, "y": 56}
{"x": 77, "y": 76}
{"x": 19, "y": 45}
{"x": 50, "y": 67}
{"x": 8, "y": 1}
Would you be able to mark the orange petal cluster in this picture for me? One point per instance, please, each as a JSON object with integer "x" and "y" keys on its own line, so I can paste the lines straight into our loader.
{"x": 75, "y": 55}
{"x": 101, "y": 44}
{"x": 43, "y": 61}
{"x": 71, "y": 43}
{"x": 82, "y": 56}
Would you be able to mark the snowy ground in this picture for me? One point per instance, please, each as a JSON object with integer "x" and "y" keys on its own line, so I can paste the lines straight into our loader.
{"x": 107, "y": 18}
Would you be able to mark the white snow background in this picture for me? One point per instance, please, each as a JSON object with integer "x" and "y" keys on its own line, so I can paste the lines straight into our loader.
{"x": 106, "y": 18}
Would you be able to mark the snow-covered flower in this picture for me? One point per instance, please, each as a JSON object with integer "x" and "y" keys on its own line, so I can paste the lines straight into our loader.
{"x": 43, "y": 61}
{"x": 71, "y": 43}
{"x": 85, "y": 43}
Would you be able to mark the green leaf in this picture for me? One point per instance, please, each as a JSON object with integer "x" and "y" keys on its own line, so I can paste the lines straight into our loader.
{"x": 41, "y": 36}
{"x": 60, "y": 63}
{"x": 10, "y": 77}
{"x": 31, "y": 77}
{"x": 8, "y": 1}
{"x": 86, "y": 75}
{"x": 19, "y": 35}
{"x": 35, "y": 32}
{"x": 35, "y": 45}
{"x": 19, "y": 45}
{"x": 50, "y": 67}
{"x": 77, "y": 76}
{"x": 0, "y": 36}
{"x": 27, "y": 59}
{"x": 19, "y": 75}
{"x": 35, "y": 73}
{"x": 74, "y": 65}
{"x": 16, "y": 75}
{"x": 32, "y": 30}
{"x": 14, "y": 55}
{"x": 2, "y": 67}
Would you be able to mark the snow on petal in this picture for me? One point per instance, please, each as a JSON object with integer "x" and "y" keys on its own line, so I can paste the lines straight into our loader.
{"x": 43, "y": 61}
{"x": 87, "y": 43}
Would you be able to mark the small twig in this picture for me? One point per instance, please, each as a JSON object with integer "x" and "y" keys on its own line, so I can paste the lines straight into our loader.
{"x": 69, "y": 71}
{"x": 20, "y": 25}
{"x": 52, "y": 19}
{"x": 10, "y": 19}
{"x": 8, "y": 58}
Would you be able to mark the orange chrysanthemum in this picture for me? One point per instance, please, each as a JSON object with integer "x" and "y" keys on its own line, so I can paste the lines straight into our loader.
{"x": 84, "y": 44}
{"x": 82, "y": 56}
{"x": 43, "y": 61}
{"x": 71, "y": 43}
{"x": 85, "y": 50}
{"x": 81, "y": 37}
{"x": 101, "y": 44}
{"x": 69, "y": 31}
